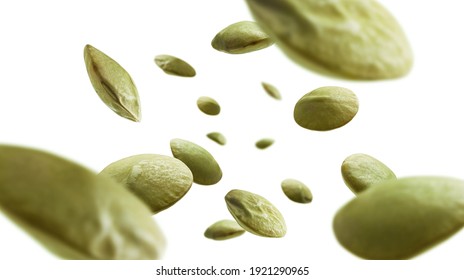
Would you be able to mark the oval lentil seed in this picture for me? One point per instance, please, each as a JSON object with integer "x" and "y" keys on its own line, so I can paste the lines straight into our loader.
{"x": 217, "y": 137}
{"x": 241, "y": 37}
{"x": 204, "y": 167}
{"x": 160, "y": 181}
{"x": 223, "y": 230}
{"x": 174, "y": 66}
{"x": 271, "y": 90}
{"x": 255, "y": 214}
{"x": 360, "y": 171}
{"x": 208, "y": 106}
{"x": 353, "y": 39}
{"x": 296, "y": 191}
{"x": 326, "y": 108}
{"x": 112, "y": 83}
{"x": 264, "y": 143}
{"x": 72, "y": 211}
{"x": 399, "y": 219}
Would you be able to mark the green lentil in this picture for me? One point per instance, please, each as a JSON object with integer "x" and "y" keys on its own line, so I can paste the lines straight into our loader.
{"x": 360, "y": 171}
{"x": 241, "y": 37}
{"x": 255, "y": 214}
{"x": 217, "y": 137}
{"x": 160, "y": 181}
{"x": 174, "y": 66}
{"x": 208, "y": 105}
{"x": 326, "y": 108}
{"x": 223, "y": 230}
{"x": 346, "y": 38}
{"x": 399, "y": 219}
{"x": 264, "y": 143}
{"x": 204, "y": 167}
{"x": 112, "y": 83}
{"x": 296, "y": 191}
{"x": 72, "y": 211}
{"x": 271, "y": 90}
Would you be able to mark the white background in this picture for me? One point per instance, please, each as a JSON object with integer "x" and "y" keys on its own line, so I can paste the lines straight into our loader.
{"x": 413, "y": 124}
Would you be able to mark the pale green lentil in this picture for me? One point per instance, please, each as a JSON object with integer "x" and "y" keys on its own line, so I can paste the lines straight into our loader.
{"x": 296, "y": 191}
{"x": 223, "y": 230}
{"x": 205, "y": 169}
{"x": 354, "y": 39}
{"x": 160, "y": 181}
{"x": 174, "y": 66}
{"x": 112, "y": 83}
{"x": 241, "y": 37}
{"x": 326, "y": 108}
{"x": 271, "y": 90}
{"x": 255, "y": 214}
{"x": 217, "y": 137}
{"x": 208, "y": 105}
{"x": 264, "y": 143}
{"x": 72, "y": 211}
{"x": 399, "y": 219}
{"x": 360, "y": 171}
